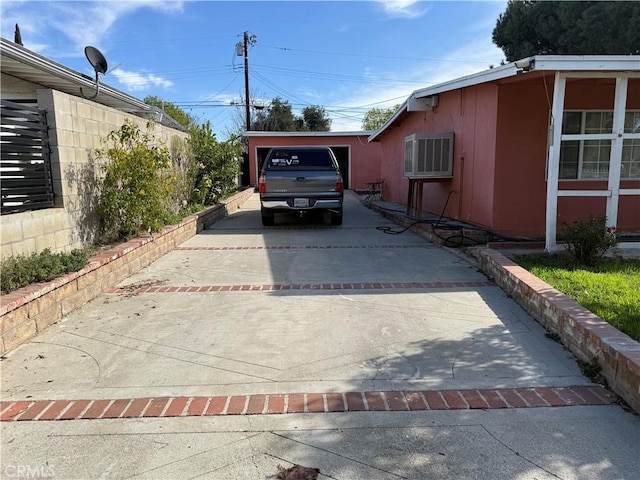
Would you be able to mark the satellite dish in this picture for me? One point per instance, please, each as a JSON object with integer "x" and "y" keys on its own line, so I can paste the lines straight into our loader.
{"x": 99, "y": 64}
{"x": 96, "y": 59}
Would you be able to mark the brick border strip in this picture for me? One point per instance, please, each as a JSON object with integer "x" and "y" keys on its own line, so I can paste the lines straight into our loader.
{"x": 302, "y": 247}
{"x": 134, "y": 290}
{"x": 278, "y": 404}
{"x": 585, "y": 334}
{"x": 30, "y": 310}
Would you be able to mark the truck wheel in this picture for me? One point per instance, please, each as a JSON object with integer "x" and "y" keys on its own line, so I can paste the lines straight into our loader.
{"x": 267, "y": 218}
{"x": 336, "y": 218}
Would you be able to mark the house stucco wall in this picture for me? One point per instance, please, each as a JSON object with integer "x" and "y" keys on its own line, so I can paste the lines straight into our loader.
{"x": 521, "y": 156}
{"x": 364, "y": 157}
{"x": 499, "y": 164}
{"x": 76, "y": 126}
{"x": 471, "y": 114}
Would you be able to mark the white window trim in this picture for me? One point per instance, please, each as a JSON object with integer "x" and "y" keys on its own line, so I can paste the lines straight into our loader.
{"x": 596, "y": 136}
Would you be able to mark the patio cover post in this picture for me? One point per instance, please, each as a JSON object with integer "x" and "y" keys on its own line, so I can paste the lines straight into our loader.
{"x": 553, "y": 168}
{"x": 615, "y": 160}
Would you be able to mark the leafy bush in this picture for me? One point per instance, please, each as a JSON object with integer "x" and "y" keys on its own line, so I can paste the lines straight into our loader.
{"x": 589, "y": 240}
{"x": 20, "y": 271}
{"x": 217, "y": 165}
{"x": 136, "y": 189}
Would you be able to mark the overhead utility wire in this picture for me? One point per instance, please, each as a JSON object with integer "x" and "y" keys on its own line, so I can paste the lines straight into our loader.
{"x": 346, "y": 54}
{"x": 287, "y": 95}
{"x": 332, "y": 76}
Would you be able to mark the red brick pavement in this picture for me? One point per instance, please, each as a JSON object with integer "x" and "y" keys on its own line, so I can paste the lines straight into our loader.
{"x": 391, "y": 401}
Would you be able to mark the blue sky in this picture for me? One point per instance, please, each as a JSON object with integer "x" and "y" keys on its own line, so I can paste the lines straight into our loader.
{"x": 346, "y": 56}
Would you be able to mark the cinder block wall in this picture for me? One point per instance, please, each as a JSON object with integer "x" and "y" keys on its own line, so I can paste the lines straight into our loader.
{"x": 77, "y": 127}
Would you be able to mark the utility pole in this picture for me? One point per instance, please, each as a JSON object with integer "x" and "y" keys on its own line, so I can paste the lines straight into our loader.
{"x": 243, "y": 48}
{"x": 246, "y": 80}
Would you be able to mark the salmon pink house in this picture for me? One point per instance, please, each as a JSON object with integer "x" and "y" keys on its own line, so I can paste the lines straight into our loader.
{"x": 521, "y": 148}
{"x": 518, "y": 149}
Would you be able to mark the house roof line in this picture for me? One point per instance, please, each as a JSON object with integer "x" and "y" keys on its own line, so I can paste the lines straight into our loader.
{"x": 255, "y": 133}
{"x": 72, "y": 79}
{"x": 561, "y": 63}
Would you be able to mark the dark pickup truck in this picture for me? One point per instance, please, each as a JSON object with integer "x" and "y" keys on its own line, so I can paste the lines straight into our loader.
{"x": 300, "y": 179}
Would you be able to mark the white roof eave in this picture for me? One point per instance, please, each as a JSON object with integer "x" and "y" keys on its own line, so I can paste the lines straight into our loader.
{"x": 44, "y": 71}
{"x": 579, "y": 63}
{"x": 258, "y": 133}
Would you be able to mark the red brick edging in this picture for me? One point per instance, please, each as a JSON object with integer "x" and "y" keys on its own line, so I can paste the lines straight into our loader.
{"x": 585, "y": 334}
{"x": 299, "y": 286}
{"x": 390, "y": 401}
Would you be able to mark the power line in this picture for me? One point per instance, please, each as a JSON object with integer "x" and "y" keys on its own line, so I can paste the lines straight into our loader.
{"x": 388, "y": 57}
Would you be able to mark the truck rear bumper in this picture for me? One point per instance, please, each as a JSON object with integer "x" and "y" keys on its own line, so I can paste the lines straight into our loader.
{"x": 325, "y": 204}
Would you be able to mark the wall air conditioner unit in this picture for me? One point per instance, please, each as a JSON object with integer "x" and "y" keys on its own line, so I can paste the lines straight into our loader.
{"x": 428, "y": 155}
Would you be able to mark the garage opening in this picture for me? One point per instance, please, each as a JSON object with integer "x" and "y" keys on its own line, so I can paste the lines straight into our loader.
{"x": 341, "y": 153}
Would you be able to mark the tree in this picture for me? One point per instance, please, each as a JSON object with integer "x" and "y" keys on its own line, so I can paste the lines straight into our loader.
{"x": 314, "y": 119}
{"x": 376, "y": 117}
{"x": 530, "y": 27}
{"x": 277, "y": 117}
{"x": 179, "y": 115}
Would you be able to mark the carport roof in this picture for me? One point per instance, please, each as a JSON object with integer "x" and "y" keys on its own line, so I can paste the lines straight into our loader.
{"x": 25, "y": 64}
{"x": 553, "y": 63}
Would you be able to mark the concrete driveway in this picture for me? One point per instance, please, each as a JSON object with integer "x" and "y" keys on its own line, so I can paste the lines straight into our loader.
{"x": 366, "y": 355}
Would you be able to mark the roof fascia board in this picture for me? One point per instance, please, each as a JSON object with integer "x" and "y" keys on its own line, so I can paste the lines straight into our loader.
{"x": 254, "y": 133}
{"x": 47, "y": 65}
{"x": 581, "y": 63}
{"x": 401, "y": 109}
{"x": 561, "y": 63}
{"x": 493, "y": 74}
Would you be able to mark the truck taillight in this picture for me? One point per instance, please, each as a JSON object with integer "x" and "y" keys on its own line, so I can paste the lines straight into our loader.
{"x": 262, "y": 184}
{"x": 339, "y": 183}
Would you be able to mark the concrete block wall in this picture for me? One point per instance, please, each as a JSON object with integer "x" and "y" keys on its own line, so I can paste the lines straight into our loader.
{"x": 586, "y": 335}
{"x": 30, "y": 310}
{"x": 77, "y": 127}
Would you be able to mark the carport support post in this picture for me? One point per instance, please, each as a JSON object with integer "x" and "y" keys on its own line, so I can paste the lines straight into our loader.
{"x": 615, "y": 160}
{"x": 553, "y": 169}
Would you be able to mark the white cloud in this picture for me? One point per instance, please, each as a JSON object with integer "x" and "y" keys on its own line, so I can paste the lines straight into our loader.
{"x": 138, "y": 81}
{"x": 404, "y": 8}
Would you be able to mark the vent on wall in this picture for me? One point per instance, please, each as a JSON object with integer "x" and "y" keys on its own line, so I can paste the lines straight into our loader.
{"x": 428, "y": 155}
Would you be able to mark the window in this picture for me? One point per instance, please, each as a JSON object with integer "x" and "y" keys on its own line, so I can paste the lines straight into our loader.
{"x": 588, "y": 159}
{"x": 428, "y": 155}
{"x": 296, "y": 159}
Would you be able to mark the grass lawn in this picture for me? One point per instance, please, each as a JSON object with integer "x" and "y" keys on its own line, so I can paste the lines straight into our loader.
{"x": 611, "y": 290}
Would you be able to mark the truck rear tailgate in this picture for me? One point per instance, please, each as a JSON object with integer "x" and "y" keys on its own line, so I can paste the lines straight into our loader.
{"x": 280, "y": 182}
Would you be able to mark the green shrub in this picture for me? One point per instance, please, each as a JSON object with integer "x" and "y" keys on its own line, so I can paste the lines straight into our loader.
{"x": 20, "y": 271}
{"x": 589, "y": 240}
{"x": 137, "y": 185}
{"x": 217, "y": 165}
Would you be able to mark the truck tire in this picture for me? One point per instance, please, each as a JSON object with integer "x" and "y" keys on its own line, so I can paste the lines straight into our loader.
{"x": 268, "y": 218}
{"x": 336, "y": 218}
